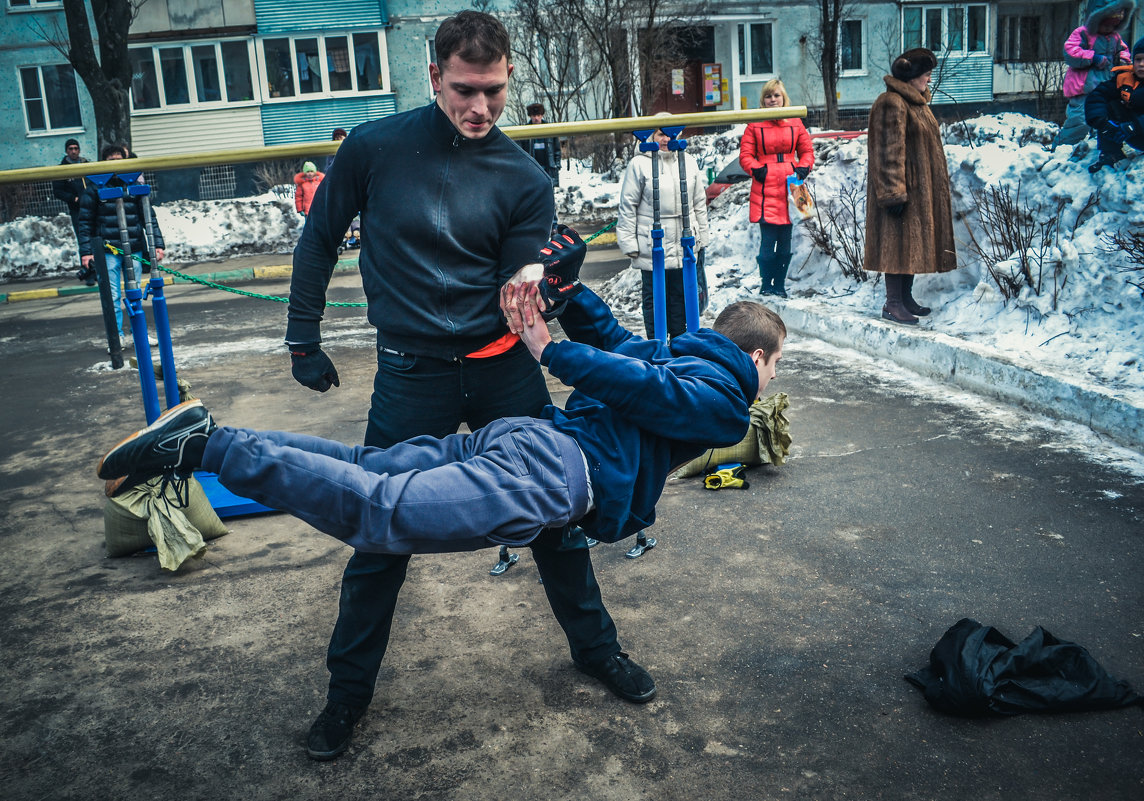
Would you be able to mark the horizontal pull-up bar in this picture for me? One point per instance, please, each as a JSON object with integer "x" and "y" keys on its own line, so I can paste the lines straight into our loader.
{"x": 705, "y": 119}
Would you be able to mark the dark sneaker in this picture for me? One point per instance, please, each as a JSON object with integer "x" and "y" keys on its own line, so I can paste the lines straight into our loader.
{"x": 623, "y": 677}
{"x": 330, "y": 734}
{"x": 642, "y": 546}
{"x": 504, "y": 564}
{"x": 172, "y": 445}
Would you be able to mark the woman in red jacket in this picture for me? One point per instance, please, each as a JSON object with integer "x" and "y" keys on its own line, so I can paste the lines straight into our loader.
{"x": 770, "y": 151}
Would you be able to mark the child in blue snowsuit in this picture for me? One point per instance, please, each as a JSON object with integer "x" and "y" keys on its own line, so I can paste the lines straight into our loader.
{"x": 1115, "y": 109}
{"x": 641, "y": 409}
{"x": 1091, "y": 51}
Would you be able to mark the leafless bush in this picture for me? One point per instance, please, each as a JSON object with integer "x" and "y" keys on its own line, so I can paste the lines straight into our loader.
{"x": 603, "y": 149}
{"x": 272, "y": 176}
{"x": 1131, "y": 244}
{"x": 14, "y": 198}
{"x": 1019, "y": 246}
{"x": 839, "y": 230}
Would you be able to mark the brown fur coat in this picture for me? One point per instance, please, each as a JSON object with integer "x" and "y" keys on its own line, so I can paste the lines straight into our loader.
{"x": 907, "y": 165}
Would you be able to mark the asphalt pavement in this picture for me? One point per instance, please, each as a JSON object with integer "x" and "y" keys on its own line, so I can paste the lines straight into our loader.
{"x": 778, "y": 620}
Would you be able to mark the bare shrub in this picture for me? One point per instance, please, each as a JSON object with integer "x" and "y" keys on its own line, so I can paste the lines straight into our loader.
{"x": 275, "y": 176}
{"x": 14, "y": 198}
{"x": 839, "y": 230}
{"x": 1131, "y": 244}
{"x": 1020, "y": 243}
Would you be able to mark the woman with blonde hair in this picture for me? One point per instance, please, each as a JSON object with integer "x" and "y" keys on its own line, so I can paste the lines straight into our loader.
{"x": 770, "y": 151}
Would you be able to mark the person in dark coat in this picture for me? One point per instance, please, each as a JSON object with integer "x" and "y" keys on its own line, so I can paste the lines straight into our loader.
{"x": 444, "y": 353}
{"x": 98, "y": 219}
{"x": 69, "y": 190}
{"x": 1115, "y": 109}
{"x": 909, "y": 219}
{"x": 545, "y": 150}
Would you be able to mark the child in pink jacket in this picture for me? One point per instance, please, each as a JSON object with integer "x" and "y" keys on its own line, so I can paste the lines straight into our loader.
{"x": 1091, "y": 51}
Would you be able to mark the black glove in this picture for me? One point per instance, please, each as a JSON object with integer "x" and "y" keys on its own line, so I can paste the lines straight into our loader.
{"x": 312, "y": 368}
{"x": 760, "y": 173}
{"x": 802, "y": 172}
{"x": 562, "y": 257}
{"x": 896, "y": 210}
{"x": 1115, "y": 132}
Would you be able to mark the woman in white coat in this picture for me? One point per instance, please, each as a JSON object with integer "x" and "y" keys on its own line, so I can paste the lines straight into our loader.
{"x": 633, "y": 229}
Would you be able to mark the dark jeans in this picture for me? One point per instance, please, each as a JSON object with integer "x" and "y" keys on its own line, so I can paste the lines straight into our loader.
{"x": 416, "y": 395}
{"x": 774, "y": 255}
{"x": 673, "y": 285}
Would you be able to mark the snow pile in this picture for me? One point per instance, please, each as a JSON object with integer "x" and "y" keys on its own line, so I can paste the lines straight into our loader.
{"x": 1085, "y": 324}
{"x": 45, "y": 247}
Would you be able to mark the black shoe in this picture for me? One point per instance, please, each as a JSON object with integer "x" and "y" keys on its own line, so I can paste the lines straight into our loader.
{"x": 173, "y": 444}
{"x": 504, "y": 564}
{"x": 623, "y": 677}
{"x": 330, "y": 733}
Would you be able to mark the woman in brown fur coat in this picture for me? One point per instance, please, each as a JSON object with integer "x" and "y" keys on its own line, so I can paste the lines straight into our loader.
{"x": 909, "y": 224}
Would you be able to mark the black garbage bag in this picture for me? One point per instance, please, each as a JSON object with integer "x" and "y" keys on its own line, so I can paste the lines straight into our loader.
{"x": 975, "y": 670}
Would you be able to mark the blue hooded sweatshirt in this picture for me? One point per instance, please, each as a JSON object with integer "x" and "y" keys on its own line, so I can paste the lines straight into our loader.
{"x": 643, "y": 408}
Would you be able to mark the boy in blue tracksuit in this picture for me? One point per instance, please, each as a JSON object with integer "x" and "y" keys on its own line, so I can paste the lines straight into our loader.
{"x": 641, "y": 409}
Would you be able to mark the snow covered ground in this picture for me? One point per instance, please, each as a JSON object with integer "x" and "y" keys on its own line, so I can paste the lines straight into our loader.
{"x": 1084, "y": 326}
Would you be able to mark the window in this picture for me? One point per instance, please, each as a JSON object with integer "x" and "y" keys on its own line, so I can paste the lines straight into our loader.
{"x": 50, "y": 100}
{"x": 558, "y": 60}
{"x": 756, "y": 56}
{"x": 324, "y": 64}
{"x": 945, "y": 28}
{"x": 850, "y": 46}
{"x": 1020, "y": 39}
{"x": 178, "y": 76}
{"x": 21, "y": 5}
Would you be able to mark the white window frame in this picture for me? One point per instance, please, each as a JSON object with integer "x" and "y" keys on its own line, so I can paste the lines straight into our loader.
{"x": 195, "y": 103}
{"x": 854, "y": 71}
{"x": 325, "y": 91}
{"x": 745, "y": 28}
{"x": 48, "y": 130}
{"x": 34, "y": 5}
{"x": 945, "y": 9}
{"x": 430, "y": 58}
{"x": 570, "y": 37}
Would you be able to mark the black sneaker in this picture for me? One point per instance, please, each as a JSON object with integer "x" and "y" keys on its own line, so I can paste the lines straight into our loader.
{"x": 330, "y": 734}
{"x": 172, "y": 445}
{"x": 623, "y": 677}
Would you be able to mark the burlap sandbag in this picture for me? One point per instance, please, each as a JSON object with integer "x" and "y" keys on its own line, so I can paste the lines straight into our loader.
{"x": 767, "y": 440}
{"x": 140, "y": 517}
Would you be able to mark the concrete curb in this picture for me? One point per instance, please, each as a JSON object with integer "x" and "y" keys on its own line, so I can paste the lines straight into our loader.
{"x": 224, "y": 277}
{"x": 970, "y": 367}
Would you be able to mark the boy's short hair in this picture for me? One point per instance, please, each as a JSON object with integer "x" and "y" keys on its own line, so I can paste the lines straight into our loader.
{"x": 472, "y": 36}
{"x": 751, "y": 326}
{"x": 110, "y": 149}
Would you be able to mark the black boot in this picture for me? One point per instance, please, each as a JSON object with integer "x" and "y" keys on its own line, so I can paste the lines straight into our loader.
{"x": 912, "y": 306}
{"x": 895, "y": 310}
{"x": 767, "y": 274}
{"x": 780, "y": 271}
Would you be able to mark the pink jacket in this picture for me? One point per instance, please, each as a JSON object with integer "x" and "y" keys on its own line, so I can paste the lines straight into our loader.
{"x": 1082, "y": 48}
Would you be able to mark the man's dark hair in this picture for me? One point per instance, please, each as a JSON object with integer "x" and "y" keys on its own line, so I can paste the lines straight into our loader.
{"x": 472, "y": 36}
{"x": 751, "y": 326}
{"x": 110, "y": 149}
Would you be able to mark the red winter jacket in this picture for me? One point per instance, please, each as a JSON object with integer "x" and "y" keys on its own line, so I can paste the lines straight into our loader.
{"x": 305, "y": 186}
{"x": 780, "y": 146}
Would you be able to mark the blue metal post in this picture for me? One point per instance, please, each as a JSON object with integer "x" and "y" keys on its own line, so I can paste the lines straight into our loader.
{"x": 658, "y": 277}
{"x": 687, "y": 240}
{"x": 158, "y": 302}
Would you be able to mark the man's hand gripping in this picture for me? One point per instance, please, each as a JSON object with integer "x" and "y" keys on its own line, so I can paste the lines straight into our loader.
{"x": 556, "y": 279}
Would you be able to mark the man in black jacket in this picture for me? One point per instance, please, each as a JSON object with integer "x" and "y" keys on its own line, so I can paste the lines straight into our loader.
{"x": 546, "y": 150}
{"x": 99, "y": 219}
{"x": 450, "y": 209}
{"x": 68, "y": 190}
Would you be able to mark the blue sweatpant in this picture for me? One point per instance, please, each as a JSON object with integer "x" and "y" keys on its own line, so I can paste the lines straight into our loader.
{"x": 501, "y": 485}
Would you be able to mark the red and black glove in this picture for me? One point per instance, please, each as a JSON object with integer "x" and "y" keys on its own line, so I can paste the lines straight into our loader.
{"x": 561, "y": 258}
{"x": 312, "y": 368}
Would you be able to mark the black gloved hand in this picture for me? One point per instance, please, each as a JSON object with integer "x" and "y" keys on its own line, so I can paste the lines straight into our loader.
{"x": 312, "y": 368}
{"x": 562, "y": 257}
{"x": 802, "y": 172}
{"x": 760, "y": 173}
{"x": 896, "y": 210}
{"x": 1115, "y": 132}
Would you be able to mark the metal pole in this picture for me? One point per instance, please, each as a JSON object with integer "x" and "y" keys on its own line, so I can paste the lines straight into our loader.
{"x": 158, "y": 302}
{"x": 687, "y": 240}
{"x": 658, "y": 276}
